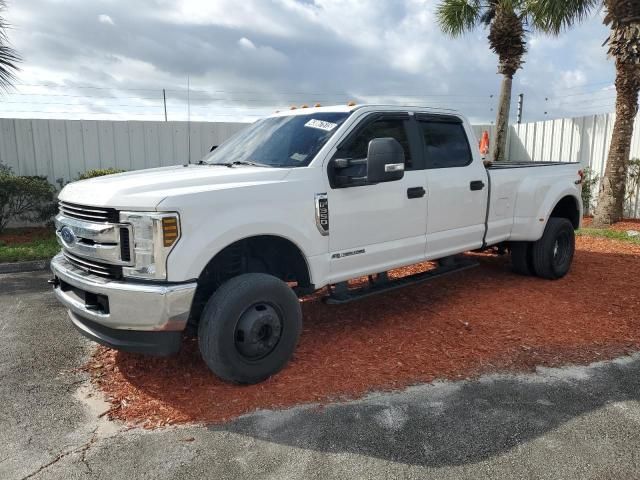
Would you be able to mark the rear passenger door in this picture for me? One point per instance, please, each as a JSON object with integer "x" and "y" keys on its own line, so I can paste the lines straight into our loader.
{"x": 456, "y": 184}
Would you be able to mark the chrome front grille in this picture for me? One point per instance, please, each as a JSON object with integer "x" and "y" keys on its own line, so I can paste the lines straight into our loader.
{"x": 93, "y": 239}
{"x": 89, "y": 214}
{"x": 91, "y": 266}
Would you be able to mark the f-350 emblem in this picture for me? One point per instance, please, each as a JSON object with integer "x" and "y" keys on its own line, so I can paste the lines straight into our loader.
{"x": 322, "y": 213}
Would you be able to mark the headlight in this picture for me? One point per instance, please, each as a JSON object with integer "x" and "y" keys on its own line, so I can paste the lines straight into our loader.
{"x": 154, "y": 235}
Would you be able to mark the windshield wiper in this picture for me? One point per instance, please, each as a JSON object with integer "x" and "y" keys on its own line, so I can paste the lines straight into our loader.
{"x": 237, "y": 162}
{"x": 243, "y": 162}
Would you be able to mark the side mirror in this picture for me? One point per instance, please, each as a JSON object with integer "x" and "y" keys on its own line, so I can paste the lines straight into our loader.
{"x": 385, "y": 160}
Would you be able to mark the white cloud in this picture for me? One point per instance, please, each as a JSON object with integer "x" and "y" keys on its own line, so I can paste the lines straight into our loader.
{"x": 258, "y": 16}
{"x": 572, "y": 79}
{"x": 257, "y": 56}
{"x": 106, "y": 19}
{"x": 246, "y": 44}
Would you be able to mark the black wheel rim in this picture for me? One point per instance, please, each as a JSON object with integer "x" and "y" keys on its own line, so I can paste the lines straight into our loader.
{"x": 562, "y": 249}
{"x": 258, "y": 331}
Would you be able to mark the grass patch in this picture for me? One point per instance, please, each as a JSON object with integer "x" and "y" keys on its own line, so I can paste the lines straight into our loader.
{"x": 41, "y": 248}
{"x": 606, "y": 233}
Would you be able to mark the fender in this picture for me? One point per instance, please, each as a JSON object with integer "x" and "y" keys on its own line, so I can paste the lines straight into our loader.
{"x": 529, "y": 222}
{"x": 190, "y": 265}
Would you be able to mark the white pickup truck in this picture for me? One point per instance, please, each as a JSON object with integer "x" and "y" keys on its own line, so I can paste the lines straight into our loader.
{"x": 298, "y": 201}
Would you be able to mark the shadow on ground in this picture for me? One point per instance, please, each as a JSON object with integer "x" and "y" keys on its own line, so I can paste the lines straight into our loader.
{"x": 447, "y": 424}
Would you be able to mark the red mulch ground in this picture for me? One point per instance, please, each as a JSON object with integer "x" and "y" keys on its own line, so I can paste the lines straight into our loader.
{"x": 14, "y": 236}
{"x": 628, "y": 224}
{"x": 483, "y": 320}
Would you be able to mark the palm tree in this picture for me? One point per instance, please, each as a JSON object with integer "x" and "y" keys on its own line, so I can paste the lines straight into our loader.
{"x": 506, "y": 20}
{"x": 9, "y": 58}
{"x": 623, "y": 17}
{"x": 624, "y": 45}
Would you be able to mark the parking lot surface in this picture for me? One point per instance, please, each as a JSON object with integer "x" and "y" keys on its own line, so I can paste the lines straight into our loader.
{"x": 572, "y": 422}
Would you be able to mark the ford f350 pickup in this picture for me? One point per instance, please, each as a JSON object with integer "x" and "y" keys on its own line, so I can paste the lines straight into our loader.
{"x": 296, "y": 202}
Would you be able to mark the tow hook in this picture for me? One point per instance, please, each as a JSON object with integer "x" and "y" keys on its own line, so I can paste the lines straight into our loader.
{"x": 54, "y": 281}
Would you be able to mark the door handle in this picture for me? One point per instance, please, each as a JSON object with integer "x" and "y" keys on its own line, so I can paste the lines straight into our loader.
{"x": 416, "y": 192}
{"x": 476, "y": 185}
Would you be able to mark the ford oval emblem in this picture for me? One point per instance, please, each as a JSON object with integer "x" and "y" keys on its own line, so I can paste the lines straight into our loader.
{"x": 67, "y": 235}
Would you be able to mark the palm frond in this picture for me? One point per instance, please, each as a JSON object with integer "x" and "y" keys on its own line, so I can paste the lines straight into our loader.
{"x": 553, "y": 16}
{"x": 8, "y": 66}
{"x": 9, "y": 58}
{"x": 458, "y": 16}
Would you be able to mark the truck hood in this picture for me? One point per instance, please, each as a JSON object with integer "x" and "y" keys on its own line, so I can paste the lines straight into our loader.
{"x": 145, "y": 189}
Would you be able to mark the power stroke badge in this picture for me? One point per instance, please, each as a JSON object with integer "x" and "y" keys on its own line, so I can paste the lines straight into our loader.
{"x": 348, "y": 254}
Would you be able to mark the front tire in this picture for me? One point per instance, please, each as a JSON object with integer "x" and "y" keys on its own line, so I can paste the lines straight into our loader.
{"x": 250, "y": 328}
{"x": 553, "y": 253}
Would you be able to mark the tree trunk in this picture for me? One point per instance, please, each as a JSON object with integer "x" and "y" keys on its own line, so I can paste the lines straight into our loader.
{"x": 610, "y": 205}
{"x": 502, "y": 120}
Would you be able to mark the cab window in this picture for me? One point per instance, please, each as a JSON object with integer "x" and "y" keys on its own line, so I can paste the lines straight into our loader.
{"x": 383, "y": 128}
{"x": 445, "y": 144}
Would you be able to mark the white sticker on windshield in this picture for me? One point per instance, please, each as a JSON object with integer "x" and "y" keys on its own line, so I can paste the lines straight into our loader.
{"x": 321, "y": 125}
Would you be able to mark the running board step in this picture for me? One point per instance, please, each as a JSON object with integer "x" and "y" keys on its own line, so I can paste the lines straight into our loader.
{"x": 343, "y": 295}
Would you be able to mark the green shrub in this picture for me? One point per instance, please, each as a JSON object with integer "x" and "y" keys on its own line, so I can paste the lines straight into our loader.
{"x": 98, "y": 172}
{"x": 633, "y": 183}
{"x": 26, "y": 198}
{"x": 589, "y": 181}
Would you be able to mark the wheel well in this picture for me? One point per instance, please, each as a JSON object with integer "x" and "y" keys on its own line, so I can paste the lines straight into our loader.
{"x": 270, "y": 254}
{"x": 568, "y": 208}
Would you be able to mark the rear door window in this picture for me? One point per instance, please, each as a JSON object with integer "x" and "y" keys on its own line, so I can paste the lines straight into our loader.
{"x": 445, "y": 144}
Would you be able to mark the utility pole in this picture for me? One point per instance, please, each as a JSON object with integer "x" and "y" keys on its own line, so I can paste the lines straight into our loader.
{"x": 189, "y": 116}
{"x": 164, "y": 100}
{"x": 520, "y": 106}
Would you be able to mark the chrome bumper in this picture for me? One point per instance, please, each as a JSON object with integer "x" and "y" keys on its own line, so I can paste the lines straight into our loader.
{"x": 122, "y": 305}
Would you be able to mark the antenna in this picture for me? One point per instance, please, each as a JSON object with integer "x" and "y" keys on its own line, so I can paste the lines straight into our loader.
{"x": 189, "y": 119}
{"x": 164, "y": 100}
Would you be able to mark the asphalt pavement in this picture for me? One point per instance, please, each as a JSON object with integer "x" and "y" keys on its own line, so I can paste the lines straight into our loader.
{"x": 567, "y": 423}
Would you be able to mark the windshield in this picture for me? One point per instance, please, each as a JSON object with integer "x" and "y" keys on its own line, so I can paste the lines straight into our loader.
{"x": 290, "y": 141}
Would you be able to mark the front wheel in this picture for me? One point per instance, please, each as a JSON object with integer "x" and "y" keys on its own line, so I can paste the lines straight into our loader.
{"x": 250, "y": 328}
{"x": 553, "y": 253}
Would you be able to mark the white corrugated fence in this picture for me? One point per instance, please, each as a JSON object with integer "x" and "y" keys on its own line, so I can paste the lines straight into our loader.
{"x": 62, "y": 149}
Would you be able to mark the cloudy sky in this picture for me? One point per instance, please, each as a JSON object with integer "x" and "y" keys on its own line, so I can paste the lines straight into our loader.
{"x": 243, "y": 59}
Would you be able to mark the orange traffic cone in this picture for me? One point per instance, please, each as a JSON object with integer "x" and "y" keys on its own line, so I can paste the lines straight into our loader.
{"x": 484, "y": 143}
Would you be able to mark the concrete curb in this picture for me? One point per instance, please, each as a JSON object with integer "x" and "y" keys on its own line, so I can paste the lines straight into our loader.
{"x": 18, "y": 267}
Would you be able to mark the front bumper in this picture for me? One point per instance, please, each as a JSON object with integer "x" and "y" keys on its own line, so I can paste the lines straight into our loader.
{"x": 124, "y": 315}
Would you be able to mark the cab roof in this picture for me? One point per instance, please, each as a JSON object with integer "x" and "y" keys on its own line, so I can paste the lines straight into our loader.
{"x": 351, "y": 108}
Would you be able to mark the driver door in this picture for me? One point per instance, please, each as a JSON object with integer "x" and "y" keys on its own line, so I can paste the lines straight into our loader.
{"x": 374, "y": 228}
